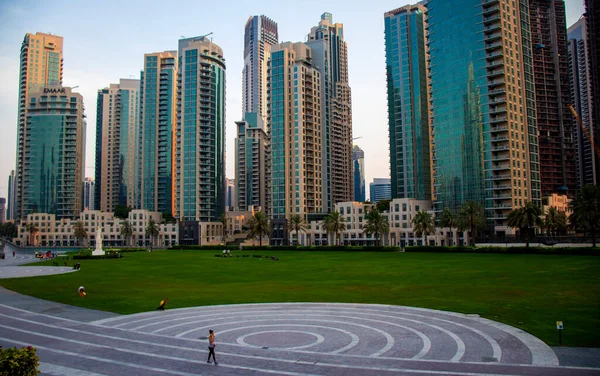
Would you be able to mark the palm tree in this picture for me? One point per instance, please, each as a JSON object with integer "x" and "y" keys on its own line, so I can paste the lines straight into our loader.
{"x": 335, "y": 224}
{"x": 586, "y": 210}
{"x": 126, "y": 231}
{"x": 376, "y": 223}
{"x": 551, "y": 221}
{"x": 152, "y": 231}
{"x": 423, "y": 224}
{"x": 259, "y": 226}
{"x": 525, "y": 218}
{"x": 448, "y": 219}
{"x": 562, "y": 223}
{"x": 32, "y": 229}
{"x": 79, "y": 231}
{"x": 224, "y": 221}
{"x": 471, "y": 217}
{"x": 298, "y": 224}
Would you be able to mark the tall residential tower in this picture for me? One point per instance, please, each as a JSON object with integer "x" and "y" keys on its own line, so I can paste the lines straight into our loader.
{"x": 358, "y": 173}
{"x": 250, "y": 161}
{"x": 408, "y": 105}
{"x": 41, "y": 64}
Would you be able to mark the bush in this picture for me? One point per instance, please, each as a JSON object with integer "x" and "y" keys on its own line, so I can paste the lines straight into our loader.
{"x": 509, "y": 250}
{"x": 339, "y": 248}
{"x": 19, "y": 362}
{"x": 111, "y": 255}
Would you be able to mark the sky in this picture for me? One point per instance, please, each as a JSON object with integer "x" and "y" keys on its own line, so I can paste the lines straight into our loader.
{"x": 106, "y": 40}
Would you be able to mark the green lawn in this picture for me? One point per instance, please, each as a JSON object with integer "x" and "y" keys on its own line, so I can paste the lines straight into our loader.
{"x": 531, "y": 292}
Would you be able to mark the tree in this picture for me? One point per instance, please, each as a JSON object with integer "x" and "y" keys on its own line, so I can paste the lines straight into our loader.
{"x": 448, "y": 219}
{"x": 225, "y": 228}
{"x": 335, "y": 224}
{"x": 551, "y": 221}
{"x": 122, "y": 211}
{"x": 376, "y": 223}
{"x": 471, "y": 217}
{"x": 586, "y": 211}
{"x": 126, "y": 231}
{"x": 151, "y": 231}
{"x": 32, "y": 229}
{"x": 423, "y": 224}
{"x": 562, "y": 223}
{"x": 259, "y": 226}
{"x": 9, "y": 230}
{"x": 525, "y": 218}
{"x": 168, "y": 218}
{"x": 79, "y": 232}
{"x": 298, "y": 224}
{"x": 383, "y": 205}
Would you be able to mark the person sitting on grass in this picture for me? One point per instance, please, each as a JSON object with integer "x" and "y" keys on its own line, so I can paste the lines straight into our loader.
{"x": 81, "y": 291}
{"x": 162, "y": 305}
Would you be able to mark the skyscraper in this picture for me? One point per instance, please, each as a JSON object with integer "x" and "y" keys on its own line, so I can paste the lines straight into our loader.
{"x": 200, "y": 135}
{"x": 330, "y": 56}
{"x": 408, "y": 105}
{"x": 380, "y": 189}
{"x": 294, "y": 124}
{"x": 483, "y": 117}
{"x": 259, "y": 35}
{"x": 581, "y": 95}
{"x": 89, "y": 189}
{"x": 158, "y": 108}
{"x": 230, "y": 195}
{"x": 552, "y": 96}
{"x": 358, "y": 172}
{"x": 2, "y": 209}
{"x": 251, "y": 160}
{"x": 41, "y": 64}
{"x": 592, "y": 17}
{"x": 117, "y": 147}
{"x": 54, "y": 161}
{"x": 12, "y": 196}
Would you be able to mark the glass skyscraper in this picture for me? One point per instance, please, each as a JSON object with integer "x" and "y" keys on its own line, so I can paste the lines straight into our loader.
{"x": 53, "y": 154}
{"x": 358, "y": 172}
{"x": 483, "y": 119}
{"x": 408, "y": 105}
{"x": 200, "y": 135}
{"x": 380, "y": 189}
{"x": 158, "y": 101}
{"x": 117, "y": 145}
{"x": 41, "y": 64}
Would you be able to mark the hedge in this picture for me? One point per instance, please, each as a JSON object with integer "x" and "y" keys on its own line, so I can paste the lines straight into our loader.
{"x": 338, "y": 248}
{"x": 509, "y": 250}
{"x": 19, "y": 362}
{"x": 111, "y": 255}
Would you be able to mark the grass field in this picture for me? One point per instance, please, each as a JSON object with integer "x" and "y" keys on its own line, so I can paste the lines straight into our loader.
{"x": 530, "y": 292}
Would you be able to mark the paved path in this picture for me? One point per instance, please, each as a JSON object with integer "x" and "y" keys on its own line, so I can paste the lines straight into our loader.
{"x": 9, "y": 267}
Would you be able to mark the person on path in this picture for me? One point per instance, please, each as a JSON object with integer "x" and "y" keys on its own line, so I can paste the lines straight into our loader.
{"x": 14, "y": 253}
{"x": 163, "y": 303}
{"x": 211, "y": 346}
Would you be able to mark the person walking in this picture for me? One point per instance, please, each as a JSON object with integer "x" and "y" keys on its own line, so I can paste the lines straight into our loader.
{"x": 211, "y": 346}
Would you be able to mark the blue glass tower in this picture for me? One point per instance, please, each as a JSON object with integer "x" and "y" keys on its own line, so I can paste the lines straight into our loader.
{"x": 358, "y": 167}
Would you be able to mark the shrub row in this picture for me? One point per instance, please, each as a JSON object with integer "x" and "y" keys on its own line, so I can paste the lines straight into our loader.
{"x": 289, "y": 248}
{"x": 509, "y": 250}
{"x": 15, "y": 361}
{"x": 111, "y": 255}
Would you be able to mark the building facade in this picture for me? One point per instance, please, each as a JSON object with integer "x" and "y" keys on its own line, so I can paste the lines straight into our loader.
{"x": 330, "y": 56}
{"x": 251, "y": 162}
{"x": 230, "y": 195}
{"x": 592, "y": 17}
{"x": 2, "y": 209}
{"x": 295, "y": 131}
{"x": 41, "y": 65}
{"x": 581, "y": 96}
{"x": 552, "y": 95}
{"x": 200, "y": 134}
{"x": 408, "y": 105}
{"x": 260, "y": 33}
{"x": 12, "y": 196}
{"x": 53, "y": 163}
{"x": 158, "y": 108}
{"x": 358, "y": 173}
{"x": 89, "y": 189}
{"x": 380, "y": 189}
{"x": 483, "y": 119}
{"x": 117, "y": 144}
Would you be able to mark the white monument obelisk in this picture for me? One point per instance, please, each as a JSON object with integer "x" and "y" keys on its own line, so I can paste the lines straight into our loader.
{"x": 98, "y": 251}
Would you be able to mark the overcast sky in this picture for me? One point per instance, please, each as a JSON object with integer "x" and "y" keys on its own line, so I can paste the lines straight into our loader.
{"x": 106, "y": 40}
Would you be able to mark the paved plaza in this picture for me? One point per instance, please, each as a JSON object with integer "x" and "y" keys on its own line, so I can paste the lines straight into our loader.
{"x": 272, "y": 339}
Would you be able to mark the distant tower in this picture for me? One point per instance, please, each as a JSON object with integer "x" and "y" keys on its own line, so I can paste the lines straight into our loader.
{"x": 251, "y": 159}
{"x": 158, "y": 109}
{"x": 54, "y": 144}
{"x": 117, "y": 128}
{"x": 230, "y": 196}
{"x": 88, "y": 194}
{"x": 12, "y": 196}
{"x": 259, "y": 35}
{"x": 200, "y": 135}
{"x": 41, "y": 64}
{"x": 358, "y": 172}
{"x": 2, "y": 209}
{"x": 380, "y": 189}
{"x": 408, "y": 105}
{"x": 592, "y": 17}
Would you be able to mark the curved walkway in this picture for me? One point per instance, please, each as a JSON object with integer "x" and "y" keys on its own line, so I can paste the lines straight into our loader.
{"x": 9, "y": 267}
